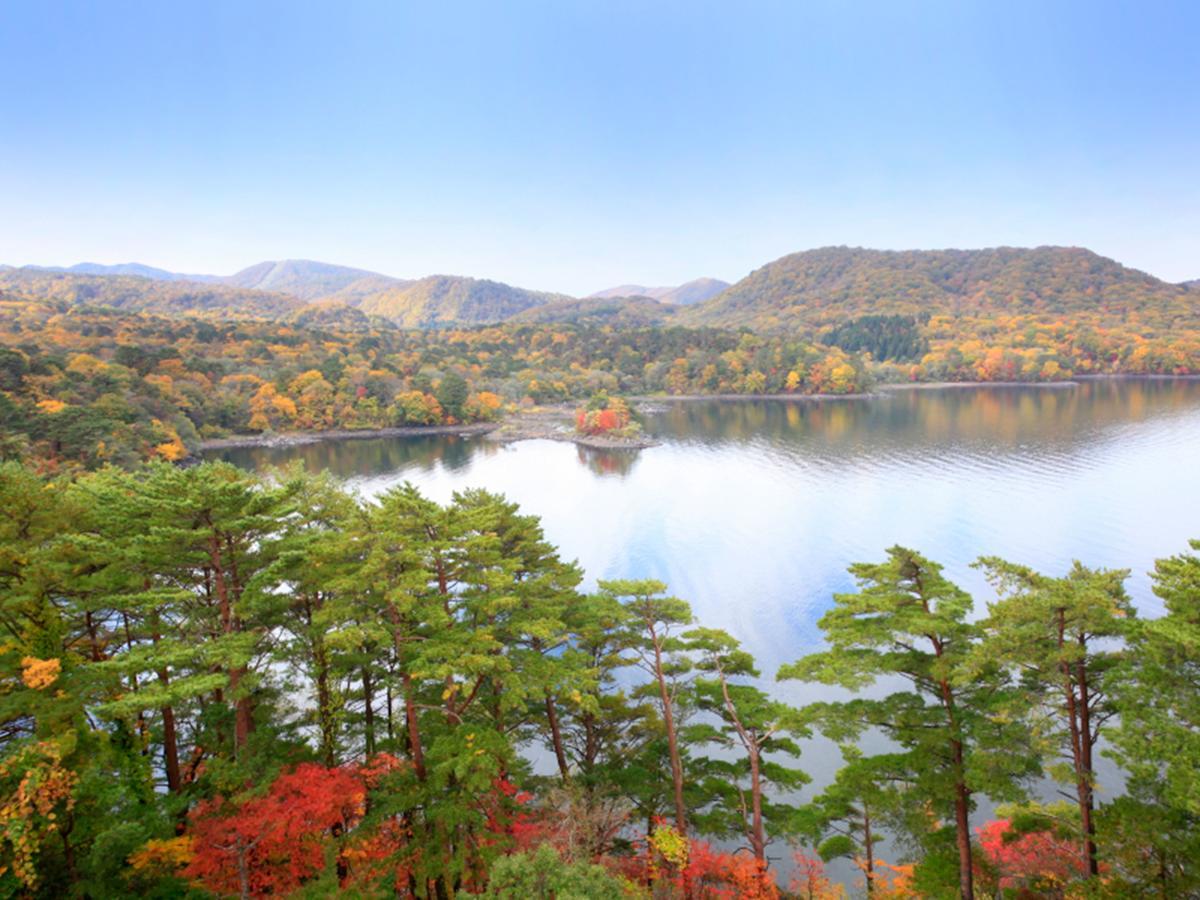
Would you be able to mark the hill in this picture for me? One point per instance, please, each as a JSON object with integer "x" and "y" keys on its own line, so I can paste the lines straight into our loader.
{"x": 622, "y": 312}
{"x": 447, "y": 299}
{"x": 694, "y": 291}
{"x": 824, "y": 287}
{"x": 301, "y": 278}
{"x": 133, "y": 293}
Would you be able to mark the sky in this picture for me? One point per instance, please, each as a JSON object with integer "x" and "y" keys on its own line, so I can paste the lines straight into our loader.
{"x": 571, "y": 146}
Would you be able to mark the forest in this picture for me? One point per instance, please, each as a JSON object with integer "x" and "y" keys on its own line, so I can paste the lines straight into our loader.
{"x": 223, "y": 684}
{"x": 81, "y": 386}
{"x": 114, "y": 368}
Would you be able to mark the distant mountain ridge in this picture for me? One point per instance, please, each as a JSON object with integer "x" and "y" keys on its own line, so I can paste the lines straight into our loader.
{"x": 301, "y": 278}
{"x": 816, "y": 288}
{"x": 807, "y": 292}
{"x": 695, "y": 291}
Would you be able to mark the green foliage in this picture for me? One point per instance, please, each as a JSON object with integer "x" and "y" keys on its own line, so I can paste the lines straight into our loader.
{"x": 543, "y": 875}
{"x": 196, "y": 658}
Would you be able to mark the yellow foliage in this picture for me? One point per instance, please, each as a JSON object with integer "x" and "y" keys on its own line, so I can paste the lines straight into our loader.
{"x": 163, "y": 857}
{"x": 27, "y": 814}
{"x": 172, "y": 450}
{"x": 39, "y": 673}
{"x": 51, "y": 406}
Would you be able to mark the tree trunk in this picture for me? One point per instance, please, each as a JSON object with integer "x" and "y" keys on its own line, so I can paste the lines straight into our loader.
{"x": 869, "y": 847}
{"x": 170, "y": 738}
{"x": 325, "y": 719}
{"x": 1087, "y": 794}
{"x": 556, "y": 736}
{"x": 170, "y": 744}
{"x": 672, "y": 739}
{"x": 414, "y": 731}
{"x": 962, "y": 828}
{"x": 368, "y": 712}
{"x": 243, "y": 720}
{"x": 758, "y": 839}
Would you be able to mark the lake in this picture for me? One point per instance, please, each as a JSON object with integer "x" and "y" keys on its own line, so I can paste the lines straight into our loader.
{"x": 752, "y": 509}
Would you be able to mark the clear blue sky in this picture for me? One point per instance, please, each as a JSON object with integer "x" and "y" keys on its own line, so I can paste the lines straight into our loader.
{"x": 570, "y": 145}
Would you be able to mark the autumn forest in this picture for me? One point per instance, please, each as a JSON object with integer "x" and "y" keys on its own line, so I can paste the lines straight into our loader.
{"x": 218, "y": 683}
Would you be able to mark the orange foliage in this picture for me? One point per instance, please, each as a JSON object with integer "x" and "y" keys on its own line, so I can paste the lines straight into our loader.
{"x": 39, "y": 673}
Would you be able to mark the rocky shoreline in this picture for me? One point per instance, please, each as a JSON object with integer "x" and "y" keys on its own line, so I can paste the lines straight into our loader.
{"x": 298, "y": 438}
{"x": 555, "y": 423}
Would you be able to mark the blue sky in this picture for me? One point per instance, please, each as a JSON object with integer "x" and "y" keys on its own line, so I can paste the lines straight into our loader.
{"x": 573, "y": 145}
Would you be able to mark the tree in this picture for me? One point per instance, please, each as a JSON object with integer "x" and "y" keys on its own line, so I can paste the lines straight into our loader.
{"x": 543, "y": 875}
{"x": 452, "y": 393}
{"x": 1158, "y": 692}
{"x": 850, "y": 818}
{"x": 765, "y": 730}
{"x": 1059, "y": 634}
{"x": 659, "y": 651}
{"x": 909, "y": 621}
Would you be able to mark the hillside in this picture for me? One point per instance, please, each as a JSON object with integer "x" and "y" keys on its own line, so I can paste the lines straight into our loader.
{"x": 833, "y": 284}
{"x": 621, "y": 312}
{"x": 694, "y": 291}
{"x": 136, "y": 294}
{"x": 445, "y": 299}
{"x": 138, "y": 269}
{"x": 301, "y": 278}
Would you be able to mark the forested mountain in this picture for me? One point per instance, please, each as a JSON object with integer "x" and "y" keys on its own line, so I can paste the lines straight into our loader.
{"x": 136, "y": 294}
{"x": 694, "y": 291}
{"x": 336, "y": 317}
{"x": 617, "y": 311}
{"x": 302, "y": 278}
{"x": 142, "y": 271}
{"x": 446, "y": 299}
{"x": 833, "y": 284}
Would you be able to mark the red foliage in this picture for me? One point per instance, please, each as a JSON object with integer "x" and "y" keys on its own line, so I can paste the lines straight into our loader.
{"x": 708, "y": 874}
{"x": 1031, "y": 859}
{"x": 508, "y": 816}
{"x": 271, "y": 845}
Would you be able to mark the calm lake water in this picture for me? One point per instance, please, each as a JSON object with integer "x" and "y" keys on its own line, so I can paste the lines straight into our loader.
{"x": 752, "y": 510}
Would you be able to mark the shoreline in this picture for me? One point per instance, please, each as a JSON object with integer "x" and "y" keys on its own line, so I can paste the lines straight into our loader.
{"x": 542, "y": 423}
{"x": 300, "y": 438}
{"x": 554, "y": 423}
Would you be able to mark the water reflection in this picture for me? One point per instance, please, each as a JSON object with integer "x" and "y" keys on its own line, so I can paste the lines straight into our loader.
{"x": 608, "y": 462}
{"x": 753, "y": 509}
{"x": 364, "y": 456}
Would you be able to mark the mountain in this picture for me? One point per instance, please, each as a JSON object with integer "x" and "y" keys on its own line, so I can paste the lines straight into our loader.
{"x": 833, "y": 284}
{"x": 449, "y": 299}
{"x": 1192, "y": 285}
{"x": 622, "y": 312}
{"x": 684, "y": 295}
{"x": 143, "y": 271}
{"x": 133, "y": 268}
{"x": 301, "y": 278}
{"x": 134, "y": 293}
{"x": 334, "y": 317}
{"x": 695, "y": 291}
{"x": 628, "y": 290}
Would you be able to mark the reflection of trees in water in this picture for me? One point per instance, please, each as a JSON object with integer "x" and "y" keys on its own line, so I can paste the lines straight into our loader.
{"x": 608, "y": 462}
{"x": 367, "y": 456}
{"x": 1054, "y": 417}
